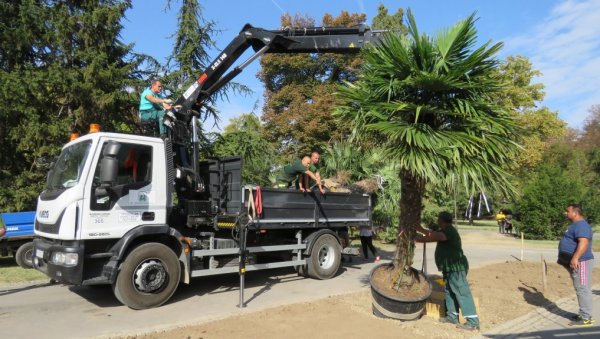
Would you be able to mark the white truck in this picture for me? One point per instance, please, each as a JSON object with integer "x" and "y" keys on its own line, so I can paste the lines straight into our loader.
{"x": 129, "y": 211}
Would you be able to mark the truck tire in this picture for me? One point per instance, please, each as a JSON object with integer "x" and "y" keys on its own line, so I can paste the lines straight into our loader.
{"x": 148, "y": 277}
{"x": 325, "y": 257}
{"x": 300, "y": 269}
{"x": 24, "y": 255}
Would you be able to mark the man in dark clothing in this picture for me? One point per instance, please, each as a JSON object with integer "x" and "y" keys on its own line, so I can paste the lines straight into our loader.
{"x": 575, "y": 253}
{"x": 289, "y": 176}
{"x": 453, "y": 264}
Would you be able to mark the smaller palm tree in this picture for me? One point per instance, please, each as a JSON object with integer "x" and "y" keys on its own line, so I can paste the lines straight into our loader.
{"x": 429, "y": 103}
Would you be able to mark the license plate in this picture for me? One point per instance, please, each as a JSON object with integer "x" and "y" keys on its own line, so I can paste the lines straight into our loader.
{"x": 39, "y": 253}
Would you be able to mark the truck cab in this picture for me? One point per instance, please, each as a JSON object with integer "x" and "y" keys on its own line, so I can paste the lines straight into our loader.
{"x": 79, "y": 205}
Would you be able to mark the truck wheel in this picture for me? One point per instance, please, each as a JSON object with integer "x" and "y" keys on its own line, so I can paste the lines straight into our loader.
{"x": 148, "y": 277}
{"x": 325, "y": 256}
{"x": 24, "y": 255}
{"x": 300, "y": 269}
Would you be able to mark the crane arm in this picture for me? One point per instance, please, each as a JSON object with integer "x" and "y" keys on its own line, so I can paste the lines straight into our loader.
{"x": 303, "y": 40}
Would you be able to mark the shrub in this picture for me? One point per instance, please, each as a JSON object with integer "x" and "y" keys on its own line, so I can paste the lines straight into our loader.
{"x": 545, "y": 197}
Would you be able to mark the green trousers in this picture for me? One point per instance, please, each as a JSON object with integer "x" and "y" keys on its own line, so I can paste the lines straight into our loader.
{"x": 458, "y": 295}
{"x": 154, "y": 114}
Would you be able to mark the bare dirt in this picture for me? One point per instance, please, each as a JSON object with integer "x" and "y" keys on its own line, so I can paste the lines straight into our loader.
{"x": 412, "y": 284}
{"x": 505, "y": 291}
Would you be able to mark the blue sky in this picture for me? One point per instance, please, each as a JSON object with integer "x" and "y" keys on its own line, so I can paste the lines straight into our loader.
{"x": 560, "y": 38}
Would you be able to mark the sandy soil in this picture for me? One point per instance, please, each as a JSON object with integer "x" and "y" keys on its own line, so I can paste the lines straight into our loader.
{"x": 505, "y": 291}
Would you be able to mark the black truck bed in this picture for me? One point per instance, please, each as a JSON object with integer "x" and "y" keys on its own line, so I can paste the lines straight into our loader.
{"x": 281, "y": 208}
{"x": 286, "y": 208}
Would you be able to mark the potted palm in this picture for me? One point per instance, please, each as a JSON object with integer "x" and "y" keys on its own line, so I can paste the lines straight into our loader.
{"x": 429, "y": 102}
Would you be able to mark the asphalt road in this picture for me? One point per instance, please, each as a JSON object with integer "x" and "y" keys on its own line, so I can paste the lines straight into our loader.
{"x": 58, "y": 311}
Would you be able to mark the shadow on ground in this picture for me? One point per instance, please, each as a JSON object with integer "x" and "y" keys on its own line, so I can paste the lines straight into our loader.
{"x": 102, "y": 295}
{"x": 8, "y": 262}
{"x": 10, "y": 290}
{"x": 536, "y": 298}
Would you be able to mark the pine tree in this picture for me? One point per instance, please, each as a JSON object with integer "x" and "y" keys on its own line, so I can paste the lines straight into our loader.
{"x": 190, "y": 57}
{"x": 62, "y": 67}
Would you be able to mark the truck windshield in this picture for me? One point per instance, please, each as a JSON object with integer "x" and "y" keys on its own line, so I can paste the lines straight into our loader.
{"x": 67, "y": 170}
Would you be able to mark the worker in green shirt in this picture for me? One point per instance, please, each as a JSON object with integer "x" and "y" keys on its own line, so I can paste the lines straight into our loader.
{"x": 290, "y": 175}
{"x": 453, "y": 264}
{"x": 314, "y": 167}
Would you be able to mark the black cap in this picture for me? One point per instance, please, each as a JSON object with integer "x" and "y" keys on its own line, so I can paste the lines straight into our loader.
{"x": 445, "y": 216}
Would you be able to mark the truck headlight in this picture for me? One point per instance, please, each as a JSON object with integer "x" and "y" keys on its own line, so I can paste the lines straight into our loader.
{"x": 65, "y": 259}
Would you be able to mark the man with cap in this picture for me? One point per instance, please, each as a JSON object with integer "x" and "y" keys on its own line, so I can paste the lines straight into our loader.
{"x": 453, "y": 264}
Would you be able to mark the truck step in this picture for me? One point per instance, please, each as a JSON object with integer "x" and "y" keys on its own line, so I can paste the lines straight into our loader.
{"x": 96, "y": 281}
{"x": 99, "y": 255}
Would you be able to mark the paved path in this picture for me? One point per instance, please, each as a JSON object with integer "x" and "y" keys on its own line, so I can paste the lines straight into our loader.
{"x": 549, "y": 322}
{"x": 58, "y": 311}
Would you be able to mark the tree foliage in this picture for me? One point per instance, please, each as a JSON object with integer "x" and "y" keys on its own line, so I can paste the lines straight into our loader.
{"x": 299, "y": 91}
{"x": 385, "y": 21}
{"x": 590, "y": 134}
{"x": 547, "y": 193}
{"x": 430, "y": 103}
{"x": 540, "y": 126}
{"x": 242, "y": 137}
{"x": 62, "y": 66}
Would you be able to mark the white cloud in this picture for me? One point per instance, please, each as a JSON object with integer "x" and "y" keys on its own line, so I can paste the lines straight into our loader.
{"x": 566, "y": 48}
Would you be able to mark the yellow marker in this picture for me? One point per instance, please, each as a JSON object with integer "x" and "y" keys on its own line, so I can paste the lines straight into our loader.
{"x": 243, "y": 270}
{"x": 351, "y": 45}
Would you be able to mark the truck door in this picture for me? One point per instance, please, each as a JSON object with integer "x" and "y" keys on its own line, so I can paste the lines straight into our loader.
{"x": 138, "y": 197}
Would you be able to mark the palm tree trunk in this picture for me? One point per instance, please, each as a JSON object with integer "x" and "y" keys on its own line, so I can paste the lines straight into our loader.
{"x": 411, "y": 205}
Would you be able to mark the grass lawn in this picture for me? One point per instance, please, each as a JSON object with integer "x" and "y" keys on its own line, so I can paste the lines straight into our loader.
{"x": 11, "y": 273}
{"x": 477, "y": 224}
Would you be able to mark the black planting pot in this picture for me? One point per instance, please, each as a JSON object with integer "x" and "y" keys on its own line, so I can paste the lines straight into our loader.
{"x": 394, "y": 307}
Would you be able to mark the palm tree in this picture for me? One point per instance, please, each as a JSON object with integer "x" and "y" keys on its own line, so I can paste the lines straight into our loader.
{"x": 429, "y": 103}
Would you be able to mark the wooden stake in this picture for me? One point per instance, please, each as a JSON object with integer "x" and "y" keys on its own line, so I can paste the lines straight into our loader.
{"x": 522, "y": 245}
{"x": 544, "y": 273}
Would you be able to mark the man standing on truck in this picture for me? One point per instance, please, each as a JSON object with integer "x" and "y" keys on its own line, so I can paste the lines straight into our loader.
{"x": 152, "y": 105}
{"x": 453, "y": 264}
{"x": 291, "y": 175}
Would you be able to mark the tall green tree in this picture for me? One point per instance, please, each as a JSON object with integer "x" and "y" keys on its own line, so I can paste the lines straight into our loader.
{"x": 393, "y": 22}
{"x": 194, "y": 39}
{"x": 299, "y": 91}
{"x": 62, "y": 66}
{"x": 540, "y": 126}
{"x": 243, "y": 137}
{"x": 565, "y": 175}
{"x": 430, "y": 103}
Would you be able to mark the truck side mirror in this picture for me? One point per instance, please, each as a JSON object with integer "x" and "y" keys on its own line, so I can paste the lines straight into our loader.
{"x": 109, "y": 164}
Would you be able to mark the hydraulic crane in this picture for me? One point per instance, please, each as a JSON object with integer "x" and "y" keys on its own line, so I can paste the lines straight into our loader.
{"x": 101, "y": 220}
{"x": 290, "y": 40}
